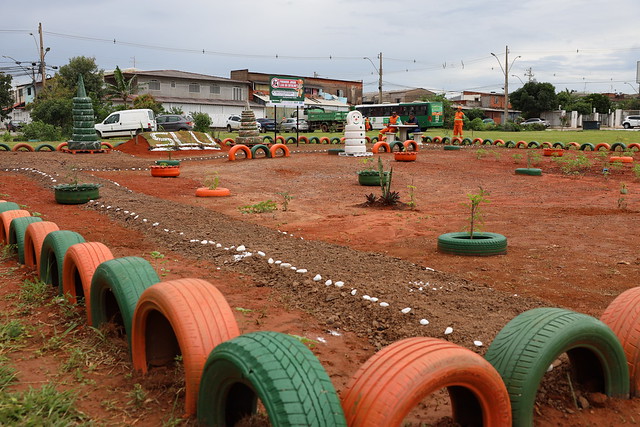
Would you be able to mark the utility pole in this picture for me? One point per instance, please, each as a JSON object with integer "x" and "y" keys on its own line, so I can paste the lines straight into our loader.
{"x": 380, "y": 79}
{"x": 529, "y": 74}
{"x": 506, "y": 69}
{"x": 43, "y": 70}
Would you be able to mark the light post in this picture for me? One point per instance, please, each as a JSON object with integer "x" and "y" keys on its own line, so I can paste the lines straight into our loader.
{"x": 518, "y": 77}
{"x": 379, "y": 71}
{"x": 505, "y": 71}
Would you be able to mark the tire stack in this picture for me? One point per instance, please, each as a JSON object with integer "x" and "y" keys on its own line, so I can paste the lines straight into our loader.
{"x": 84, "y": 136}
{"x": 248, "y": 134}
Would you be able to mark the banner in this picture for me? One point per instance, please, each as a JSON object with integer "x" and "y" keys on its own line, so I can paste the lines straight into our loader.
{"x": 286, "y": 91}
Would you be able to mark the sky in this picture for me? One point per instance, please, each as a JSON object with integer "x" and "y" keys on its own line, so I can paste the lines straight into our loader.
{"x": 444, "y": 46}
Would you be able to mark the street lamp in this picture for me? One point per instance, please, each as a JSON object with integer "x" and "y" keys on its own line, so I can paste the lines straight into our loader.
{"x": 518, "y": 77}
{"x": 379, "y": 71}
{"x": 633, "y": 87}
{"x": 505, "y": 71}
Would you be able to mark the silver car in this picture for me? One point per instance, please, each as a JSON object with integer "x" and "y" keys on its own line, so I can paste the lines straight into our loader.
{"x": 293, "y": 125}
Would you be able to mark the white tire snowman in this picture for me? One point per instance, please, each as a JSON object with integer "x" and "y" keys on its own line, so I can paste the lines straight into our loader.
{"x": 354, "y": 135}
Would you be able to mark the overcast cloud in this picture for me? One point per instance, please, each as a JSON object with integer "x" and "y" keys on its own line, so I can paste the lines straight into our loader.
{"x": 581, "y": 45}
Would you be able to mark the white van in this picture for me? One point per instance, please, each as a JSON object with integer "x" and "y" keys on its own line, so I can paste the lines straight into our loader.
{"x": 127, "y": 123}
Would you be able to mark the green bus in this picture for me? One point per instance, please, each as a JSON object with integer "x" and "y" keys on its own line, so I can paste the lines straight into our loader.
{"x": 429, "y": 114}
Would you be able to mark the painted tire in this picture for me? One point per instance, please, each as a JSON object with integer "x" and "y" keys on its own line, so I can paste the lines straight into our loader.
{"x": 106, "y": 146}
{"x": 480, "y": 141}
{"x": 45, "y": 147}
{"x": 17, "y": 230}
{"x": 604, "y": 145}
{"x": 533, "y": 144}
{"x": 573, "y": 146}
{"x": 116, "y": 286}
{"x": 525, "y": 348}
{"x": 4, "y": 147}
{"x": 54, "y": 248}
{"x": 621, "y": 159}
{"x": 410, "y": 143}
{"x": 33, "y": 238}
{"x": 406, "y": 156}
{"x": 498, "y": 142}
{"x": 303, "y": 139}
{"x": 62, "y": 146}
{"x": 208, "y": 192}
{"x": 165, "y": 171}
{"x": 437, "y": 140}
{"x": 546, "y": 144}
{"x": 621, "y": 145}
{"x": 192, "y": 317}
{"x": 23, "y": 146}
{"x": 451, "y": 147}
{"x": 8, "y": 206}
{"x": 456, "y": 141}
{"x": 314, "y": 140}
{"x": 558, "y": 145}
{"x": 279, "y": 139}
{"x": 5, "y": 222}
{"x": 623, "y": 317}
{"x": 335, "y": 151}
{"x": 78, "y": 197}
{"x": 446, "y": 140}
{"x": 335, "y": 140}
{"x": 239, "y": 147}
{"x": 375, "y": 139}
{"x": 398, "y": 377}
{"x": 291, "y": 140}
{"x": 633, "y": 146}
{"x": 260, "y": 147}
{"x": 510, "y": 144}
{"x": 285, "y": 150}
{"x": 381, "y": 145}
{"x": 267, "y": 138}
{"x": 275, "y": 368}
{"x": 228, "y": 141}
{"x": 529, "y": 171}
{"x": 553, "y": 152}
{"x": 521, "y": 144}
{"x": 395, "y": 144}
{"x": 168, "y": 162}
{"x": 368, "y": 139}
{"x": 587, "y": 146}
{"x": 468, "y": 141}
{"x": 325, "y": 140}
{"x": 483, "y": 244}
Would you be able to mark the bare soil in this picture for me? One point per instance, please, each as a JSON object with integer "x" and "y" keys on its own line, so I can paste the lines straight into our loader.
{"x": 571, "y": 244}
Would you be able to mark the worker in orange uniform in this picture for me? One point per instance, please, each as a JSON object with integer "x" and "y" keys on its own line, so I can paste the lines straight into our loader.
{"x": 458, "y": 121}
{"x": 393, "y": 120}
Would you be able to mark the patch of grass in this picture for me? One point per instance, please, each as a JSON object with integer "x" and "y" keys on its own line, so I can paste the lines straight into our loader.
{"x": 306, "y": 341}
{"x": 573, "y": 165}
{"x": 7, "y": 376}
{"x": 261, "y": 207}
{"x": 33, "y": 292}
{"x": 137, "y": 396}
{"x": 11, "y": 333}
{"x": 40, "y": 407}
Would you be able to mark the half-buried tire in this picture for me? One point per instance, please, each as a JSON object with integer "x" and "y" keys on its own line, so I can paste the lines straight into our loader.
{"x": 5, "y": 222}
{"x": 525, "y": 348}
{"x": 17, "y": 230}
{"x": 275, "y": 368}
{"x": 33, "y": 238}
{"x": 482, "y": 244}
{"x": 187, "y": 317}
{"x": 528, "y": 171}
{"x": 8, "y": 206}
{"x": 54, "y": 248}
{"x": 398, "y": 377}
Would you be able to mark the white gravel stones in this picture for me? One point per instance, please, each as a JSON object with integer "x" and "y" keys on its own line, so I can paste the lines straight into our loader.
{"x": 270, "y": 261}
{"x": 424, "y": 322}
{"x": 374, "y": 299}
{"x": 405, "y": 310}
{"x": 354, "y": 291}
{"x": 384, "y": 304}
{"x": 285, "y": 265}
{"x": 448, "y": 331}
{"x": 241, "y": 248}
{"x": 261, "y": 253}
{"x": 329, "y": 282}
{"x": 339, "y": 284}
{"x": 477, "y": 343}
{"x": 317, "y": 278}
{"x": 366, "y": 297}
{"x": 302, "y": 270}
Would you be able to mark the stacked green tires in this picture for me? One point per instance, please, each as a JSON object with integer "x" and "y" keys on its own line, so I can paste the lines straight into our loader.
{"x": 84, "y": 134}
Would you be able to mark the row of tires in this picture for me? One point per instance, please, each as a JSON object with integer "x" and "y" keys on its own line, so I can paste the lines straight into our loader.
{"x": 587, "y": 146}
{"x": 252, "y": 152}
{"x": 227, "y": 373}
{"x": 23, "y": 146}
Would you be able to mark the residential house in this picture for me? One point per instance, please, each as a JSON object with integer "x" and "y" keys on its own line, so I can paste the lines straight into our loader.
{"x": 397, "y": 96}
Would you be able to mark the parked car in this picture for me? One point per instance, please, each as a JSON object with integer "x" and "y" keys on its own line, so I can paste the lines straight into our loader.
{"x": 293, "y": 125}
{"x": 174, "y": 122}
{"x": 266, "y": 125}
{"x": 488, "y": 121}
{"x": 631, "y": 122}
{"x": 15, "y": 125}
{"x": 233, "y": 123}
{"x": 126, "y": 123}
{"x": 536, "y": 121}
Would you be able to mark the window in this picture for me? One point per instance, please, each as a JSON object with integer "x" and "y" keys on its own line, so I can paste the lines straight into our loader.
{"x": 194, "y": 87}
{"x": 340, "y": 93}
{"x": 237, "y": 93}
{"x": 215, "y": 89}
{"x": 173, "y": 83}
{"x": 28, "y": 91}
{"x": 154, "y": 85}
{"x": 114, "y": 118}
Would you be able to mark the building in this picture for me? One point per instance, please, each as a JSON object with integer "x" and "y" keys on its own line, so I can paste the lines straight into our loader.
{"x": 397, "y": 96}
{"x": 492, "y": 103}
{"x": 218, "y": 97}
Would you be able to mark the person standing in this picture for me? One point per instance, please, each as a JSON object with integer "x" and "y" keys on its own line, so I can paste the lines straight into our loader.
{"x": 393, "y": 120}
{"x": 458, "y": 122}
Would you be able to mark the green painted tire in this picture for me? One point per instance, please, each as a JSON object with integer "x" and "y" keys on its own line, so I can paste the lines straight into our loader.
{"x": 291, "y": 140}
{"x": 314, "y": 140}
{"x": 510, "y": 144}
{"x": 17, "y": 228}
{"x": 374, "y": 139}
{"x": 335, "y": 151}
{"x": 167, "y": 162}
{"x": 260, "y": 147}
{"x": 427, "y": 139}
{"x": 446, "y": 140}
{"x": 394, "y": 144}
{"x": 621, "y": 145}
{"x": 67, "y": 196}
{"x": 4, "y": 147}
{"x": 8, "y": 206}
{"x": 483, "y": 244}
{"x": 558, "y": 145}
{"x": 275, "y": 368}
{"x": 451, "y": 147}
{"x": 335, "y": 140}
{"x": 587, "y": 146}
{"x": 45, "y": 147}
{"x": 525, "y": 348}
{"x": 267, "y": 138}
{"x": 533, "y": 144}
{"x": 466, "y": 141}
{"x": 54, "y": 248}
{"x": 116, "y": 287}
{"x": 529, "y": 171}
{"x": 372, "y": 179}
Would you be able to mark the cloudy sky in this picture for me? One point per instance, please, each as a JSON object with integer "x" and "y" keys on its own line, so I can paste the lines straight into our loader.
{"x": 445, "y": 46}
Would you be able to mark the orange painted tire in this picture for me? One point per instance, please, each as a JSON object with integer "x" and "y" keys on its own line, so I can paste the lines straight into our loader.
{"x": 239, "y": 147}
{"x": 33, "y": 238}
{"x": 456, "y": 141}
{"x": 368, "y": 139}
{"x": 623, "y": 317}
{"x": 498, "y": 142}
{"x": 61, "y": 146}
{"x": 574, "y": 146}
{"x": 208, "y": 192}
{"x": 325, "y": 140}
{"x": 521, "y": 144}
{"x": 478, "y": 141}
{"x": 303, "y": 139}
{"x": 5, "y": 222}
{"x": 546, "y": 144}
{"x": 398, "y": 377}
{"x": 621, "y": 159}
{"x": 106, "y": 145}
{"x": 228, "y": 141}
{"x": 552, "y": 152}
{"x": 633, "y": 145}
{"x": 275, "y": 147}
{"x": 380, "y": 145}
{"x": 23, "y": 146}
{"x": 384, "y": 138}
{"x": 406, "y": 156}
{"x": 78, "y": 266}
{"x": 281, "y": 139}
{"x": 412, "y": 143}
{"x": 437, "y": 139}
{"x": 184, "y": 316}
{"x": 604, "y": 145}
{"x": 165, "y": 171}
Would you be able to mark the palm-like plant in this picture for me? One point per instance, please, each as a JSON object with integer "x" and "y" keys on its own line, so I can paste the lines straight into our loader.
{"x": 123, "y": 88}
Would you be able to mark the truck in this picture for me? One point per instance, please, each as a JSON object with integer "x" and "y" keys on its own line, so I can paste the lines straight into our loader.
{"x": 326, "y": 121}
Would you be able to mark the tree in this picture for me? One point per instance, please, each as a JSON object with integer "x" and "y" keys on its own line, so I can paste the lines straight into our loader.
{"x": 533, "y": 98}
{"x": 122, "y": 88}
{"x": 6, "y": 100}
{"x": 201, "y": 121}
{"x": 92, "y": 76}
{"x": 54, "y": 105}
{"x": 601, "y": 103}
{"x": 148, "y": 101}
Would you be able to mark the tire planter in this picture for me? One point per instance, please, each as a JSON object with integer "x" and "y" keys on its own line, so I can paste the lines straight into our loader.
{"x": 17, "y": 231}
{"x": 260, "y": 147}
{"x": 546, "y": 144}
{"x": 116, "y": 286}
{"x": 451, "y": 147}
{"x": 533, "y": 144}
{"x": 587, "y": 146}
{"x": 552, "y": 152}
{"x": 375, "y": 139}
{"x": 335, "y": 151}
{"x": 228, "y": 141}
{"x": 240, "y": 147}
{"x": 54, "y": 248}
{"x": 498, "y": 142}
{"x": 168, "y": 162}
{"x": 335, "y": 140}
{"x": 280, "y": 147}
{"x": 5, "y": 222}
{"x": 633, "y": 146}
{"x": 208, "y": 192}
{"x": 79, "y": 265}
{"x": 437, "y": 139}
{"x": 371, "y": 178}
{"x": 398, "y": 377}
{"x": 521, "y": 144}
{"x": 70, "y": 194}
{"x": 482, "y": 244}
{"x": 275, "y": 368}
{"x": 525, "y": 348}
{"x": 621, "y": 159}
{"x": 303, "y": 139}
{"x": 33, "y": 238}
{"x": 573, "y": 146}
{"x": 45, "y": 147}
{"x": 467, "y": 141}
{"x": 410, "y": 143}
{"x": 381, "y": 145}
{"x": 406, "y": 156}
{"x": 62, "y": 146}
{"x": 314, "y": 140}
{"x": 185, "y": 316}
{"x": 528, "y": 171}
{"x": 623, "y": 317}
{"x": 510, "y": 144}
{"x": 267, "y": 139}
{"x": 8, "y": 206}
{"x": 106, "y": 146}
{"x": 23, "y": 146}
{"x": 480, "y": 141}
{"x": 279, "y": 139}
{"x": 446, "y": 140}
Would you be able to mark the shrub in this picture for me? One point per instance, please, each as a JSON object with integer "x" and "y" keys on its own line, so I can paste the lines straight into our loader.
{"x": 42, "y": 131}
{"x": 201, "y": 121}
{"x": 476, "y": 124}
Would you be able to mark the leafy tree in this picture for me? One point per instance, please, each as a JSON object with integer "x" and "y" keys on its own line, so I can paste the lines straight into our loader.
{"x": 601, "y": 103}
{"x": 533, "y": 98}
{"x": 474, "y": 113}
{"x": 6, "y": 100}
{"x": 148, "y": 101}
{"x": 176, "y": 110}
{"x": 567, "y": 98}
{"x": 122, "y": 88}
{"x": 54, "y": 105}
{"x": 201, "y": 121}
{"x": 92, "y": 76}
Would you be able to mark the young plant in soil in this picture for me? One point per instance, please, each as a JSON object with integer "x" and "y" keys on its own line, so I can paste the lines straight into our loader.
{"x": 622, "y": 202}
{"x": 475, "y": 217}
{"x": 261, "y": 207}
{"x": 388, "y": 197}
{"x": 286, "y": 199}
{"x": 212, "y": 181}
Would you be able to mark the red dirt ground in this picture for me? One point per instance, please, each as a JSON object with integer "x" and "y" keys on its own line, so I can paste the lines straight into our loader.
{"x": 570, "y": 244}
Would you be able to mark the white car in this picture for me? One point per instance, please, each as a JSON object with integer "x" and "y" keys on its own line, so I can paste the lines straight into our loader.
{"x": 125, "y": 123}
{"x": 233, "y": 123}
{"x": 631, "y": 122}
{"x": 536, "y": 121}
